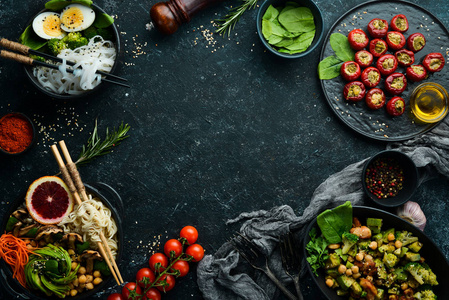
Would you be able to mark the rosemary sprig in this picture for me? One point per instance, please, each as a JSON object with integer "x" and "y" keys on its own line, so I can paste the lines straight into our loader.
{"x": 96, "y": 147}
{"x": 226, "y": 24}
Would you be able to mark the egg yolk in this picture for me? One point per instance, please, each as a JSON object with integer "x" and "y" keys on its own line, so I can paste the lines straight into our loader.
{"x": 72, "y": 18}
{"x": 52, "y": 26}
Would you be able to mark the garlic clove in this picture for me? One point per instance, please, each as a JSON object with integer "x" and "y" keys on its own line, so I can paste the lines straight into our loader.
{"x": 411, "y": 212}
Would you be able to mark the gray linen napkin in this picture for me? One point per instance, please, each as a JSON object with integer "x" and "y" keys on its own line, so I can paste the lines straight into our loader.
{"x": 221, "y": 277}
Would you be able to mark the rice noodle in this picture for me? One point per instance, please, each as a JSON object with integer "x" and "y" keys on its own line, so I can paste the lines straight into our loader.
{"x": 88, "y": 220}
{"x": 98, "y": 54}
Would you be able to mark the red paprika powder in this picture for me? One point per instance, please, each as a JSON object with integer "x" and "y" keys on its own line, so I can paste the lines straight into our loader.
{"x": 16, "y": 133}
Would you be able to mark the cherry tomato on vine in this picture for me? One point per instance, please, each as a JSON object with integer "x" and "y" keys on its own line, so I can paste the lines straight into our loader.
{"x": 190, "y": 234}
{"x": 170, "y": 280}
{"x": 158, "y": 258}
{"x": 182, "y": 266}
{"x": 115, "y": 296}
{"x": 173, "y": 246}
{"x": 153, "y": 294}
{"x": 145, "y": 273}
{"x": 131, "y": 291}
{"x": 196, "y": 251}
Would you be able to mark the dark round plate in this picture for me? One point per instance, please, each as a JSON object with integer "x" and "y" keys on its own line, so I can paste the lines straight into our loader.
{"x": 378, "y": 124}
{"x": 433, "y": 255}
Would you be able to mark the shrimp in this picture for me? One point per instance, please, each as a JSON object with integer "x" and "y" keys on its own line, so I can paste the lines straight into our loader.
{"x": 362, "y": 232}
{"x": 368, "y": 286}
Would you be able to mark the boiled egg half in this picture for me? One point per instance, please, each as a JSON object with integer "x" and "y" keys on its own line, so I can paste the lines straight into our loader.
{"x": 76, "y": 17}
{"x": 47, "y": 25}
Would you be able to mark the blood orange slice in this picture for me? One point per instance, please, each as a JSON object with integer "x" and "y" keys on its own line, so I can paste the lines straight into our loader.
{"x": 49, "y": 200}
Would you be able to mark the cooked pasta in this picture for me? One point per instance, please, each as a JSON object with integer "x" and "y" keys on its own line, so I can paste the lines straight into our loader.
{"x": 89, "y": 219}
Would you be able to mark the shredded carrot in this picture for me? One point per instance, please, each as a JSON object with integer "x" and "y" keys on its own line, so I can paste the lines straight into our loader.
{"x": 14, "y": 252}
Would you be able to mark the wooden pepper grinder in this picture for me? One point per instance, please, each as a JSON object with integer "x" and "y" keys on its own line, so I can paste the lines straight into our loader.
{"x": 167, "y": 16}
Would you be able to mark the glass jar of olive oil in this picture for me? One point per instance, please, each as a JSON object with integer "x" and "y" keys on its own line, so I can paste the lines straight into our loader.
{"x": 429, "y": 102}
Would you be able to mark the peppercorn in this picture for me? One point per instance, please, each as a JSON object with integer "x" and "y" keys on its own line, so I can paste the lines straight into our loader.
{"x": 384, "y": 178}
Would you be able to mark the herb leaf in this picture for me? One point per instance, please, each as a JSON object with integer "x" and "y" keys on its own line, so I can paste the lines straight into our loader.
{"x": 333, "y": 223}
{"x": 340, "y": 45}
{"x": 329, "y": 67}
{"x": 226, "y": 24}
{"x": 317, "y": 250}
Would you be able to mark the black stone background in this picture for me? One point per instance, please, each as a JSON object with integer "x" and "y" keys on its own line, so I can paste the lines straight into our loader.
{"x": 217, "y": 129}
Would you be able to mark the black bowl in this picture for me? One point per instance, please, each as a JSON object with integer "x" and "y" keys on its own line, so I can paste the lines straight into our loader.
{"x": 33, "y": 141}
{"x": 36, "y": 84}
{"x": 433, "y": 255}
{"x": 410, "y": 178}
{"x": 112, "y": 200}
{"x": 319, "y": 25}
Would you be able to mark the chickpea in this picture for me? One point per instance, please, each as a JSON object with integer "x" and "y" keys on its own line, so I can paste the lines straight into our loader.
{"x": 73, "y": 293}
{"x": 74, "y": 265}
{"x": 355, "y": 276}
{"x": 390, "y": 237}
{"x": 82, "y": 270}
{"x": 71, "y": 252}
{"x": 89, "y": 278}
{"x": 329, "y": 282}
{"x": 97, "y": 280}
{"x": 354, "y": 269}
{"x": 360, "y": 256}
{"x": 333, "y": 246}
{"x": 373, "y": 245}
{"x": 368, "y": 257}
{"x": 348, "y": 272}
{"x": 97, "y": 274}
{"x": 81, "y": 287}
{"x": 89, "y": 286}
{"x": 75, "y": 282}
{"x": 398, "y": 244}
{"x": 404, "y": 286}
{"x": 82, "y": 279}
{"x": 341, "y": 269}
{"x": 370, "y": 278}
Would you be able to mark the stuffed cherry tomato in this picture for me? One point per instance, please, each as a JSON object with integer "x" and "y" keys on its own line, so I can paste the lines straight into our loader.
{"x": 433, "y": 62}
{"x": 396, "y": 106}
{"x": 370, "y": 77}
{"x": 378, "y": 28}
{"x": 364, "y": 58}
{"x": 354, "y": 91}
{"x": 358, "y": 39}
{"x": 387, "y": 64}
{"x": 395, "y": 40}
{"x": 350, "y": 71}
{"x": 415, "y": 42}
{"x": 399, "y": 23}
{"x": 375, "y": 98}
{"x": 416, "y": 73}
{"x": 378, "y": 47}
{"x": 396, "y": 83}
{"x": 405, "y": 57}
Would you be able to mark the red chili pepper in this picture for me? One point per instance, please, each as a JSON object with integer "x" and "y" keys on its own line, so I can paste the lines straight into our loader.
{"x": 395, "y": 40}
{"x": 399, "y": 23}
{"x": 378, "y": 28}
{"x": 375, "y": 98}
{"x": 350, "y": 71}
{"x": 358, "y": 39}
{"x": 378, "y": 47}
{"x": 395, "y": 83}
{"x": 416, "y": 73}
{"x": 416, "y": 41}
{"x": 387, "y": 64}
{"x": 405, "y": 57}
{"x": 354, "y": 91}
{"x": 396, "y": 106}
{"x": 433, "y": 62}
{"x": 370, "y": 77}
{"x": 364, "y": 58}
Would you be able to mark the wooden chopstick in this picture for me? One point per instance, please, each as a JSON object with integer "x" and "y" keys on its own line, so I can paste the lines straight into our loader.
{"x": 67, "y": 178}
{"x": 11, "y": 45}
{"x": 32, "y": 62}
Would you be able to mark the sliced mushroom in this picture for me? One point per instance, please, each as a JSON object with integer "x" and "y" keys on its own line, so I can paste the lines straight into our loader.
{"x": 46, "y": 232}
{"x": 25, "y": 230}
{"x": 71, "y": 238}
{"x": 90, "y": 256}
{"x": 16, "y": 229}
{"x": 20, "y": 214}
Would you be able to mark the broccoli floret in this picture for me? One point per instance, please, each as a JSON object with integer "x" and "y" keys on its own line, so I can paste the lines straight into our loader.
{"x": 74, "y": 40}
{"x": 348, "y": 240}
{"x": 405, "y": 237}
{"x": 421, "y": 274}
{"x": 425, "y": 295}
{"x": 90, "y": 32}
{"x": 390, "y": 260}
{"x": 56, "y": 46}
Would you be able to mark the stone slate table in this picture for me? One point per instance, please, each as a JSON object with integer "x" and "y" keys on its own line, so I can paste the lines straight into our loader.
{"x": 219, "y": 126}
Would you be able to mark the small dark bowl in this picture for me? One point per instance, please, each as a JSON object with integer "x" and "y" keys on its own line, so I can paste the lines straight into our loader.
{"x": 319, "y": 25}
{"x": 112, "y": 200}
{"x": 33, "y": 141}
{"x": 410, "y": 178}
{"x": 37, "y": 85}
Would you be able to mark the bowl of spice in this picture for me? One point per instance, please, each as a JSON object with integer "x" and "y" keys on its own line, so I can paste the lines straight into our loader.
{"x": 390, "y": 178}
{"x": 290, "y": 28}
{"x": 17, "y": 133}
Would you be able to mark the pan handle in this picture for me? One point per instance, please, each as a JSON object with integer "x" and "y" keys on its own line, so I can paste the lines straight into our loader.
{"x": 8, "y": 287}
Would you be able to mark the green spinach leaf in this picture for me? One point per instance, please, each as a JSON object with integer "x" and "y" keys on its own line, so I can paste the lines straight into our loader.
{"x": 103, "y": 20}
{"x": 30, "y": 39}
{"x": 329, "y": 67}
{"x": 333, "y": 223}
{"x": 299, "y": 19}
{"x": 56, "y": 5}
{"x": 341, "y": 47}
